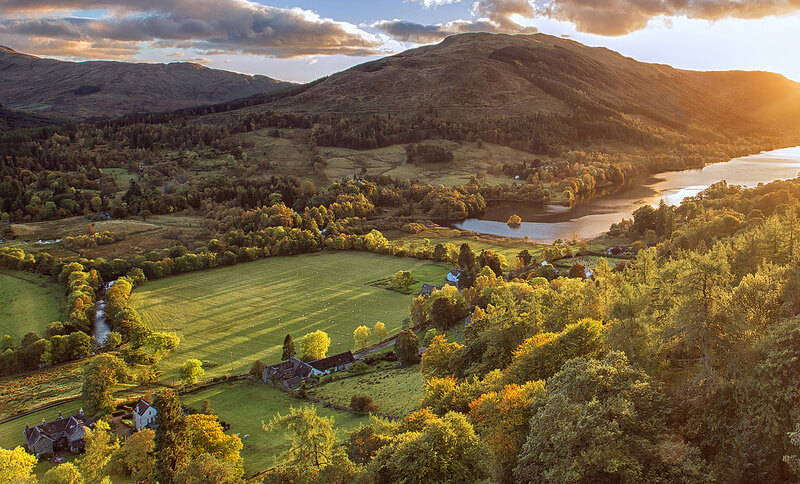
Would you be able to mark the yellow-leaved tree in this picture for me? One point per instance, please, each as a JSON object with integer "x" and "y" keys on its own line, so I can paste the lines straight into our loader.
{"x": 315, "y": 345}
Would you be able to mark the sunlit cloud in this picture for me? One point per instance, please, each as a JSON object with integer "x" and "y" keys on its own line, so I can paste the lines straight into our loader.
{"x": 210, "y": 27}
{"x": 487, "y": 16}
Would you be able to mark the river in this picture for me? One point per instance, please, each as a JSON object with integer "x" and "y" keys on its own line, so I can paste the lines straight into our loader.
{"x": 101, "y": 328}
{"x": 591, "y": 218}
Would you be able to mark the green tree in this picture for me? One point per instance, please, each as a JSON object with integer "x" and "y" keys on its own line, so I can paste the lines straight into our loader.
{"x": 446, "y": 450}
{"x": 16, "y": 464}
{"x": 137, "y": 454}
{"x": 99, "y": 378}
{"x": 466, "y": 257}
{"x": 159, "y": 344}
{"x": 101, "y": 445}
{"x": 600, "y": 421}
{"x": 208, "y": 437}
{"x": 172, "y": 441}
{"x": 402, "y": 280}
{"x": 312, "y": 440}
{"x": 379, "y": 331}
{"x": 206, "y": 468}
{"x": 407, "y": 347}
{"x": 257, "y": 369}
{"x": 540, "y": 357}
{"x": 437, "y": 357}
{"x": 66, "y": 473}
{"x": 192, "y": 371}
{"x": 361, "y": 337}
{"x": 288, "y": 348}
{"x": 315, "y": 345}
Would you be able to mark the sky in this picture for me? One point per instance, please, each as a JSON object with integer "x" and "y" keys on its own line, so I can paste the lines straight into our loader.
{"x": 301, "y": 40}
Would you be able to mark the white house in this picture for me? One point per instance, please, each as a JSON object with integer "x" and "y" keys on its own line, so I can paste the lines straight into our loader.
{"x": 144, "y": 415}
{"x": 453, "y": 276}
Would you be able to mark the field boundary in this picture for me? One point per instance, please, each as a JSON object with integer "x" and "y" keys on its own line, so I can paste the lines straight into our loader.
{"x": 39, "y": 409}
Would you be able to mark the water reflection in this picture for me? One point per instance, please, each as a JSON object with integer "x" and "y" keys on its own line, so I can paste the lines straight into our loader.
{"x": 592, "y": 218}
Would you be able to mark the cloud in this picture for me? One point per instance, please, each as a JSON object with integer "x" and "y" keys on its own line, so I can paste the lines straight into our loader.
{"x": 434, "y": 3}
{"x": 620, "y": 17}
{"x": 207, "y": 26}
{"x": 487, "y": 16}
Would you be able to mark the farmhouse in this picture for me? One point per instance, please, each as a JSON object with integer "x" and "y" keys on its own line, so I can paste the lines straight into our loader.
{"x": 62, "y": 433}
{"x": 453, "y": 276}
{"x": 427, "y": 289}
{"x": 289, "y": 373}
{"x": 292, "y": 372}
{"x": 340, "y": 362}
{"x": 144, "y": 415}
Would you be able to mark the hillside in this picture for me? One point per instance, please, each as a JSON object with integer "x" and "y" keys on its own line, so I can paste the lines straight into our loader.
{"x": 81, "y": 90}
{"x": 591, "y": 93}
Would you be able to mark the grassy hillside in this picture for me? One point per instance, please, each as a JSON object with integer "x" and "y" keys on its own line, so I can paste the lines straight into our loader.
{"x": 245, "y": 405}
{"x": 231, "y": 316}
{"x": 28, "y": 303}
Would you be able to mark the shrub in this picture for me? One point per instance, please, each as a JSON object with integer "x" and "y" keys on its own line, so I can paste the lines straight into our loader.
{"x": 358, "y": 368}
{"x": 362, "y": 403}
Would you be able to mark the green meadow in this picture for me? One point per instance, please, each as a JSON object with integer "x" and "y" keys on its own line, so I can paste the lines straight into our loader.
{"x": 28, "y": 303}
{"x": 395, "y": 391}
{"x": 229, "y": 317}
{"x": 244, "y": 405}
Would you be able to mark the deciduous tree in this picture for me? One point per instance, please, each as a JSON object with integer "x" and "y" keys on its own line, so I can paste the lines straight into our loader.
{"x": 315, "y": 345}
{"x": 361, "y": 337}
{"x": 192, "y": 371}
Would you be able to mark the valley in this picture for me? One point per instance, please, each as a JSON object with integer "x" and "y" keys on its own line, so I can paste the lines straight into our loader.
{"x": 469, "y": 261}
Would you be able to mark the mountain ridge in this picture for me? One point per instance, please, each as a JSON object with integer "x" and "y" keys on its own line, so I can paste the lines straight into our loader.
{"x": 479, "y": 75}
{"x": 66, "y": 90}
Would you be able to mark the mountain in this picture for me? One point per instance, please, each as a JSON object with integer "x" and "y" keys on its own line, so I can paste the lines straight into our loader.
{"x": 483, "y": 77}
{"x": 81, "y": 90}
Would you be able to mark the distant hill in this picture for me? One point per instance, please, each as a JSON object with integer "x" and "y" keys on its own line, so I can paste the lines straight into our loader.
{"x": 592, "y": 92}
{"x": 82, "y": 90}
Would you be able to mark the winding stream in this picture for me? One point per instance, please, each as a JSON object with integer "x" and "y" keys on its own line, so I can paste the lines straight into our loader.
{"x": 101, "y": 327}
{"x": 589, "y": 219}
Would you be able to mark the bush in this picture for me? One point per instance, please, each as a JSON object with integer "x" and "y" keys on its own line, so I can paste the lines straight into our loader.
{"x": 362, "y": 403}
{"x": 358, "y": 368}
{"x": 257, "y": 369}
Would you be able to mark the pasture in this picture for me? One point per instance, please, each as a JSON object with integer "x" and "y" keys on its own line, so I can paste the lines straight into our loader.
{"x": 246, "y": 404}
{"x": 395, "y": 391}
{"x": 28, "y": 303}
{"x": 231, "y": 316}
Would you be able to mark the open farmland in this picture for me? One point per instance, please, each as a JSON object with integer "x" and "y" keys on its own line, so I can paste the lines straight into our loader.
{"x": 231, "y": 316}
{"x": 28, "y": 303}
{"x": 246, "y": 404}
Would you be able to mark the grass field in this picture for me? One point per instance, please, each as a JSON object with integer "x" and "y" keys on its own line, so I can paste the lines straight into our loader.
{"x": 28, "y": 303}
{"x": 231, "y": 316}
{"x": 246, "y": 404}
{"x": 395, "y": 391}
{"x": 20, "y": 393}
{"x": 589, "y": 261}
